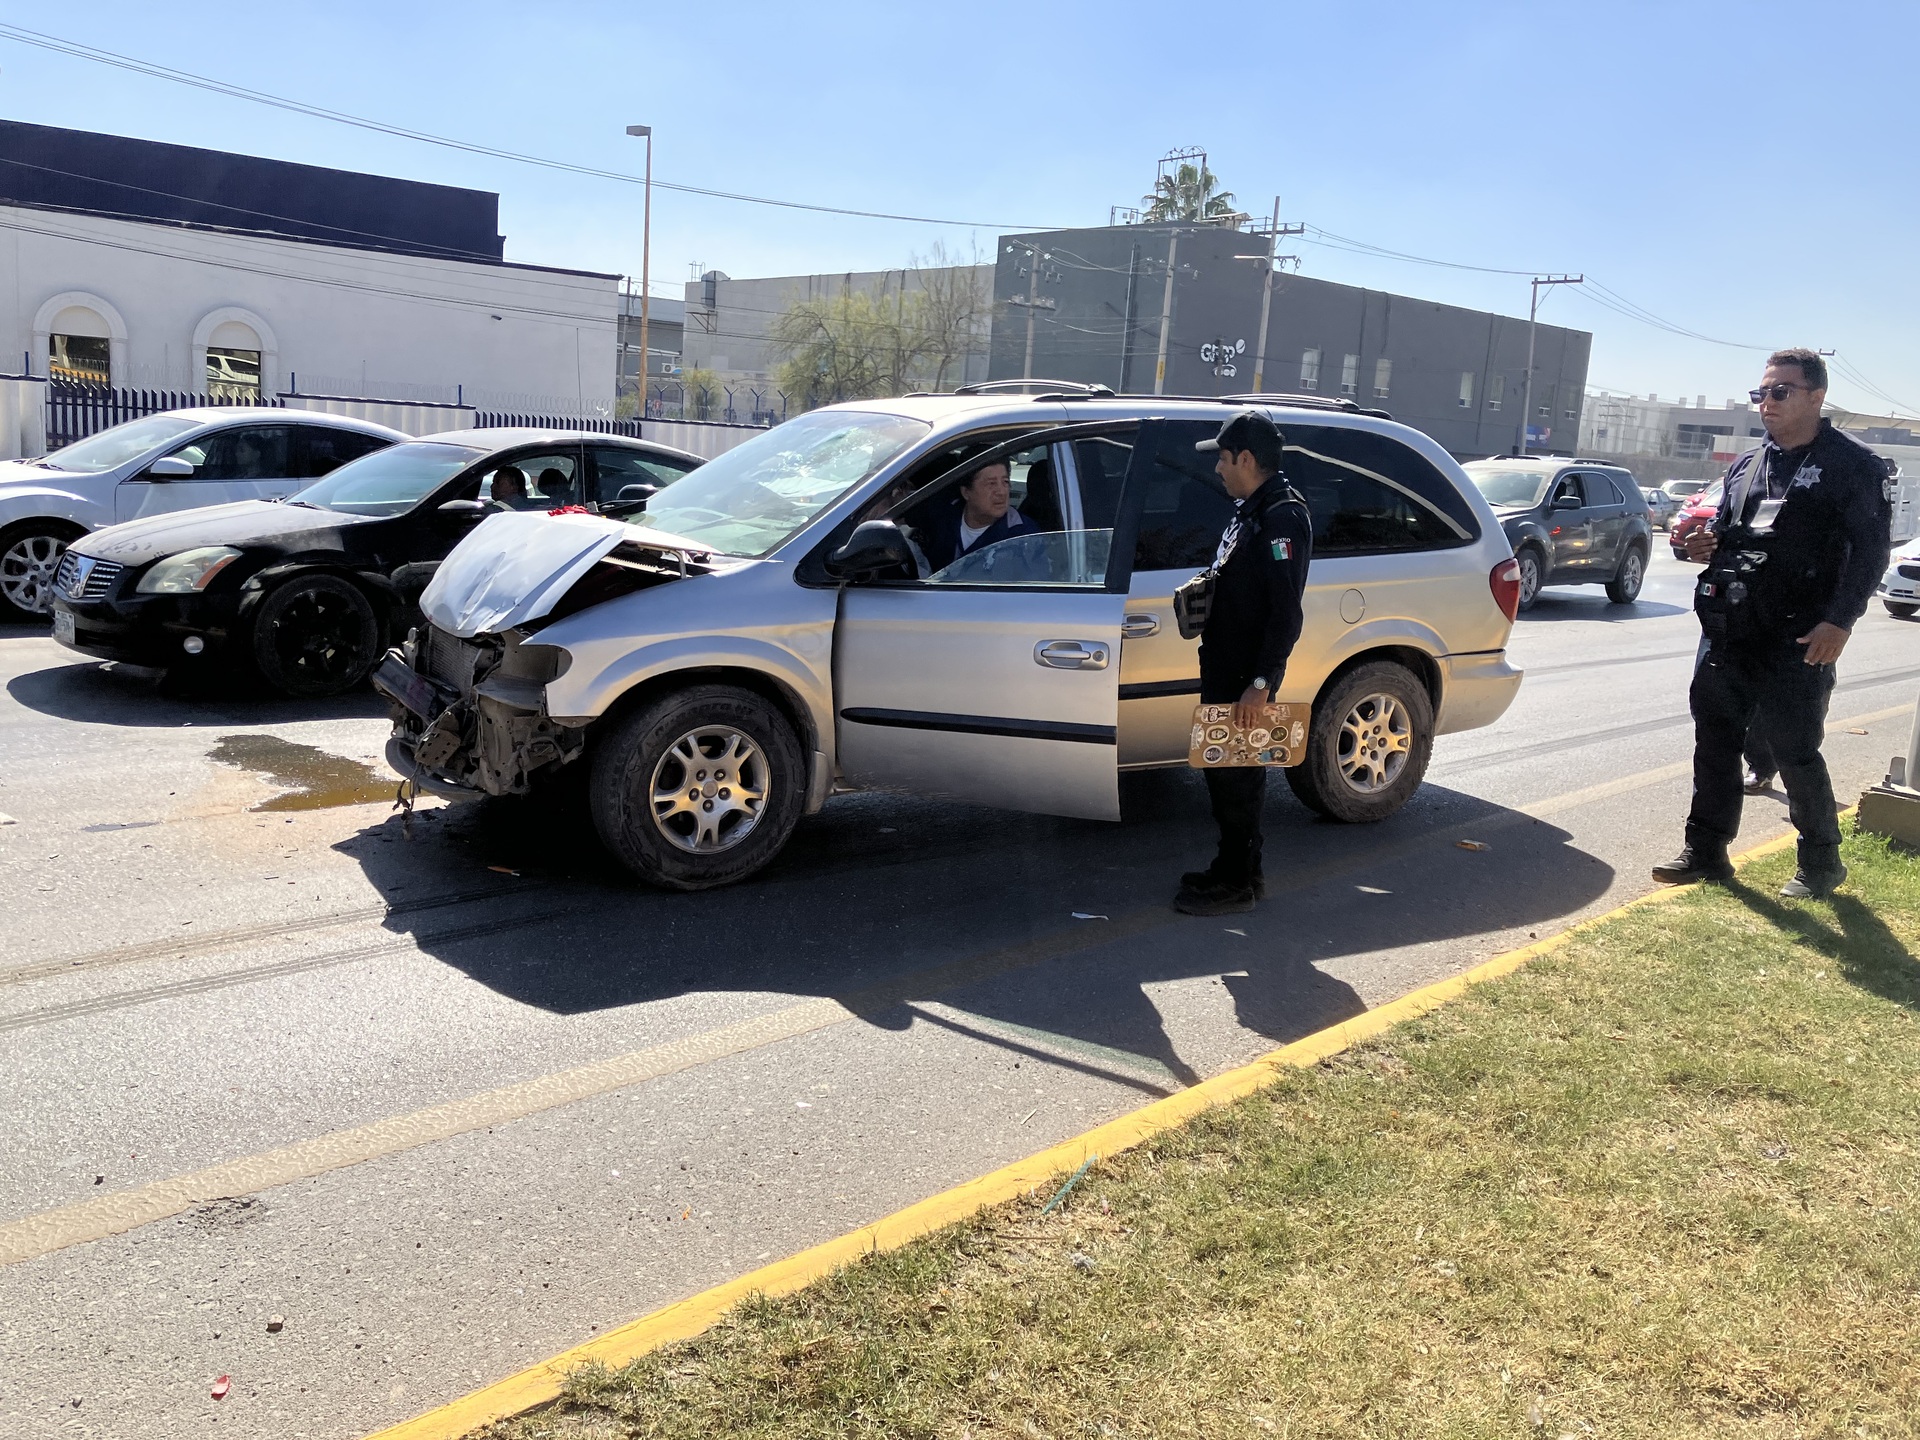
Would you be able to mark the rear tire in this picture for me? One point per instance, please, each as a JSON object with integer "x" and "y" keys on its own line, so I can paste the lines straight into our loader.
{"x": 1624, "y": 588}
{"x": 1371, "y": 737}
{"x": 316, "y": 635}
{"x": 29, "y": 553}
{"x": 699, "y": 788}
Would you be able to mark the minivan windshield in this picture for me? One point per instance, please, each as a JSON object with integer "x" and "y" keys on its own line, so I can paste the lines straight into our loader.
{"x": 1509, "y": 489}
{"x": 390, "y": 481}
{"x": 750, "y": 500}
{"x": 112, "y": 448}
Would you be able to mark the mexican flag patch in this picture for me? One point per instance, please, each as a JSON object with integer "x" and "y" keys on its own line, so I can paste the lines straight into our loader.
{"x": 1282, "y": 549}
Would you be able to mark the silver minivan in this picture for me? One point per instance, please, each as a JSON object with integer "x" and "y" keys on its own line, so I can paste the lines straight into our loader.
{"x": 768, "y": 632}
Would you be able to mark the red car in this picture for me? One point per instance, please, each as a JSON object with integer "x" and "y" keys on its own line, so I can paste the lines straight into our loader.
{"x": 1696, "y": 512}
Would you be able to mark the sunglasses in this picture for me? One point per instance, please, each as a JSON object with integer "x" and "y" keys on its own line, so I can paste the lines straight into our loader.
{"x": 1777, "y": 392}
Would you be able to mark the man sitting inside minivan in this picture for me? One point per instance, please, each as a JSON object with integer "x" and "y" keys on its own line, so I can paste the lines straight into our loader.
{"x": 984, "y": 516}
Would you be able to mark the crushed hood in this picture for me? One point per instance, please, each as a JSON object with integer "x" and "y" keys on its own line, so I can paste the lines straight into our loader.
{"x": 517, "y": 566}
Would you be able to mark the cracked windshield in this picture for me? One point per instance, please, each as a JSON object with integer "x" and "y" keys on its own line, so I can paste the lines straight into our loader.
{"x": 967, "y": 780}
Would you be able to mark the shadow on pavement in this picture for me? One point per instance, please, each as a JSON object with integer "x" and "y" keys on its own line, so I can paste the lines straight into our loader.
{"x": 886, "y": 903}
{"x": 1551, "y": 607}
{"x": 96, "y": 692}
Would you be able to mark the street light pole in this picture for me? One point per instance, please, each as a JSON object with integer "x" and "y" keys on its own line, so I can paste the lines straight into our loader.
{"x": 1533, "y": 312}
{"x": 645, "y": 132}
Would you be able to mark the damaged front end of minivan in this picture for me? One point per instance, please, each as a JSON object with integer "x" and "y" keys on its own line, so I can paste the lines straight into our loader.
{"x": 468, "y": 689}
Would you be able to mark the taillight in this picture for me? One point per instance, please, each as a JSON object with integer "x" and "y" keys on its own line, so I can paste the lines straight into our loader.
{"x": 1505, "y": 583}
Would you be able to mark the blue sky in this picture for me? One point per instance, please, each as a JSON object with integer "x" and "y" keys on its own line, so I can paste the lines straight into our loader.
{"x": 1745, "y": 171}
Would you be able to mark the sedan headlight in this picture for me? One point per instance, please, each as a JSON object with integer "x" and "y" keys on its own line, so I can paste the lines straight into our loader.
{"x": 187, "y": 573}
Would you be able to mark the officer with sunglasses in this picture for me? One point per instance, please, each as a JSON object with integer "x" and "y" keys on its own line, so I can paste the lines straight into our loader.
{"x": 1800, "y": 541}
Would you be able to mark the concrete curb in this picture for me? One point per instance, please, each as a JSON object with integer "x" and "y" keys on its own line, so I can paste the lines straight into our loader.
{"x": 687, "y": 1318}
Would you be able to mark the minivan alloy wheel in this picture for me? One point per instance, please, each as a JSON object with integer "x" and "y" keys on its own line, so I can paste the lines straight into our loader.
{"x": 26, "y": 571}
{"x": 709, "y": 789}
{"x": 1375, "y": 740}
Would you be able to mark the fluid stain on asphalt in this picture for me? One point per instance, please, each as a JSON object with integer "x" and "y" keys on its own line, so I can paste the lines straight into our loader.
{"x": 317, "y": 780}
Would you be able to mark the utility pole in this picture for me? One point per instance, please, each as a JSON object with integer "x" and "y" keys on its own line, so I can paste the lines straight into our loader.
{"x": 645, "y": 132}
{"x": 1276, "y": 230}
{"x": 1166, "y": 317}
{"x": 1533, "y": 313}
{"x": 1032, "y": 299}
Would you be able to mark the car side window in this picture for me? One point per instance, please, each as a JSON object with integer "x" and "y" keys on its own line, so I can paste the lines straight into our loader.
{"x": 321, "y": 451}
{"x": 1186, "y": 507}
{"x": 1568, "y": 488}
{"x": 616, "y": 467}
{"x": 1602, "y": 491}
{"x": 245, "y": 452}
{"x": 539, "y": 480}
{"x": 1370, "y": 494}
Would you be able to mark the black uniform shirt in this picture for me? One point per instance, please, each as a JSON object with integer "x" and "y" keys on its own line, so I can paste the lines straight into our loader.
{"x": 1255, "y": 617}
{"x": 1830, "y": 542}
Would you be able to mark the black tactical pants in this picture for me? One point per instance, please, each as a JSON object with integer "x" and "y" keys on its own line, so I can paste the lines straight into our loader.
{"x": 1782, "y": 700}
{"x": 1758, "y": 756}
{"x": 1238, "y": 794}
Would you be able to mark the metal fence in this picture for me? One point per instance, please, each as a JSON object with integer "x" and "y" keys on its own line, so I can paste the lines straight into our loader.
{"x": 77, "y": 411}
{"x": 497, "y": 419}
{"x": 723, "y": 404}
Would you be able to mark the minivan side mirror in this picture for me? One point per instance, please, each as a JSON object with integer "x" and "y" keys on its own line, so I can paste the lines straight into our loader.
{"x": 169, "y": 467}
{"x": 877, "y": 550}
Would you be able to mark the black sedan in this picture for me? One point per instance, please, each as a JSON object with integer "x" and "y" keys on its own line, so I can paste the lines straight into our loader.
{"x": 310, "y": 591}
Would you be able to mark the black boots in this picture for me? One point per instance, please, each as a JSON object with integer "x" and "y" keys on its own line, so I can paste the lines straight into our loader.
{"x": 1695, "y": 862}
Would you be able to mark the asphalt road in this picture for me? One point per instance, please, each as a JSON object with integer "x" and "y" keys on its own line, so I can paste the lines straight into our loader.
{"x": 451, "y": 1103}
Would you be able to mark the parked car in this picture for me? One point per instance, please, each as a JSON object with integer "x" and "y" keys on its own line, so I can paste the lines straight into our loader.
{"x": 1570, "y": 522}
{"x": 1900, "y": 586}
{"x": 1696, "y": 512}
{"x": 311, "y": 590}
{"x": 175, "y": 460}
{"x": 1685, "y": 490}
{"x": 1661, "y": 507}
{"x": 768, "y": 634}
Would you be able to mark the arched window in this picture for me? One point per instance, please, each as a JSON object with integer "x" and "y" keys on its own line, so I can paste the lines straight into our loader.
{"x": 235, "y": 354}
{"x": 80, "y": 338}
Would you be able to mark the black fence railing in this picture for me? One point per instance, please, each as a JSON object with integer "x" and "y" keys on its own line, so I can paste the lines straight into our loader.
{"x": 77, "y": 411}
{"x": 500, "y": 419}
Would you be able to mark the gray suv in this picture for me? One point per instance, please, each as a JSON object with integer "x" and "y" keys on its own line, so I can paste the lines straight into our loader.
{"x": 1571, "y": 522}
{"x": 769, "y": 632}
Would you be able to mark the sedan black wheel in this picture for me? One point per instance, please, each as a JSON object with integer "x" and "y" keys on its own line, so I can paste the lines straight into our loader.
{"x": 29, "y": 554}
{"x": 316, "y": 635}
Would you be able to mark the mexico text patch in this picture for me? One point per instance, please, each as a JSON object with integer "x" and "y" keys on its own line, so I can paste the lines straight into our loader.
{"x": 1282, "y": 549}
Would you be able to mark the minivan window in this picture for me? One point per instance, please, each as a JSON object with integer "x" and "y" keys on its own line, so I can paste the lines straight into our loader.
{"x": 1369, "y": 494}
{"x": 755, "y": 497}
{"x": 114, "y": 447}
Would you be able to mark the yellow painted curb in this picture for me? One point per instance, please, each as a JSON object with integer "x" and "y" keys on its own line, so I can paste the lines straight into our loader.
{"x": 687, "y": 1318}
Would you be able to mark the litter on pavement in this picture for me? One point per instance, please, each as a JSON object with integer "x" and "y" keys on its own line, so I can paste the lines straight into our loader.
{"x": 1473, "y": 844}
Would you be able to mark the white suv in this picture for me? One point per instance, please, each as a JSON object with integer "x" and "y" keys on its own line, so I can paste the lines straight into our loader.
{"x": 767, "y": 634}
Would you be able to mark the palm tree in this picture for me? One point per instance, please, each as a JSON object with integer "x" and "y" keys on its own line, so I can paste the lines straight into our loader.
{"x": 1188, "y": 194}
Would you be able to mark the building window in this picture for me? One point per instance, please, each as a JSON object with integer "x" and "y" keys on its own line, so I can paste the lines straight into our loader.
{"x": 1496, "y": 386}
{"x": 79, "y": 359}
{"x": 1349, "y": 374}
{"x": 1382, "y": 378}
{"x": 1310, "y": 369}
{"x": 1466, "y": 389}
{"x": 233, "y": 375}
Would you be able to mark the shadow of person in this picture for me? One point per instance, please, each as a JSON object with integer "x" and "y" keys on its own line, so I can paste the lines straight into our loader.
{"x": 95, "y": 692}
{"x": 908, "y": 911}
{"x": 1866, "y": 952}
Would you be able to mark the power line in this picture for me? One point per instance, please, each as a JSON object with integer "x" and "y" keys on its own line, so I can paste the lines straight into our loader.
{"x": 81, "y": 51}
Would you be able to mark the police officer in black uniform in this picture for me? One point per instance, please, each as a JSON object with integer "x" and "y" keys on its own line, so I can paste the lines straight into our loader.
{"x": 1250, "y": 631}
{"x": 1793, "y": 556}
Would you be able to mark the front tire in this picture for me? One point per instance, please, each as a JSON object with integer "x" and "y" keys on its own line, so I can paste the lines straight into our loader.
{"x": 699, "y": 788}
{"x": 316, "y": 635}
{"x": 1372, "y": 735}
{"x": 1900, "y": 611}
{"x": 1624, "y": 588}
{"x": 1532, "y": 576}
{"x": 29, "y": 554}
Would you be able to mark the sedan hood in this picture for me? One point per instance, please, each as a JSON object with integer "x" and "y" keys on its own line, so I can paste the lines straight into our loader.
{"x": 240, "y": 524}
{"x": 517, "y": 566}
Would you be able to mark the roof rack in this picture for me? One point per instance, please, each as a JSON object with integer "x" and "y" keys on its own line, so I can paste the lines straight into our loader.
{"x": 1040, "y": 388}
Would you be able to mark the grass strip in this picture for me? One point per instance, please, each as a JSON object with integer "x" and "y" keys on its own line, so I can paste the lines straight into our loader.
{"x": 1661, "y": 1183}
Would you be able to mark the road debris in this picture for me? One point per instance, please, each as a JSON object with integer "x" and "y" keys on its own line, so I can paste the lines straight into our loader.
{"x": 503, "y": 870}
{"x": 1082, "y": 1262}
{"x": 8, "y": 820}
{"x": 275, "y": 1324}
{"x": 220, "y": 1387}
{"x": 1472, "y": 845}
{"x": 1072, "y": 1180}
{"x": 1083, "y": 915}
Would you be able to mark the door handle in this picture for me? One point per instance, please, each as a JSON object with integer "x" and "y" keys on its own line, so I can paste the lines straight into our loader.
{"x": 1070, "y": 655}
{"x": 1138, "y": 627}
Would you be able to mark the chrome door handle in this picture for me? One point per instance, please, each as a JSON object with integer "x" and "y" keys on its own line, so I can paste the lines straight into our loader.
{"x": 1070, "y": 655}
{"x": 1138, "y": 627}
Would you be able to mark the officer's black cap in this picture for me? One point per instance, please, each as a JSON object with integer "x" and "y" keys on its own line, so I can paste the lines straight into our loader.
{"x": 1253, "y": 431}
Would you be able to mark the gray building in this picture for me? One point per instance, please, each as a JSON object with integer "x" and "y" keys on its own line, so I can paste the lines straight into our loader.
{"x": 666, "y": 320}
{"x": 1103, "y": 302}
